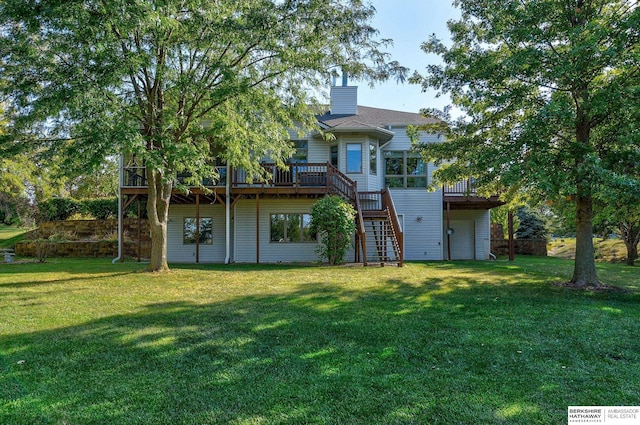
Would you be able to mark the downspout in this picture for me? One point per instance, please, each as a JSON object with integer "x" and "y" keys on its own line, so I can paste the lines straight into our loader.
{"x": 120, "y": 184}
{"x": 227, "y": 206}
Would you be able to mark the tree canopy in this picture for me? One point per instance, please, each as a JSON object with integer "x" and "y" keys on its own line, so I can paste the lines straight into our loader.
{"x": 179, "y": 83}
{"x": 536, "y": 80}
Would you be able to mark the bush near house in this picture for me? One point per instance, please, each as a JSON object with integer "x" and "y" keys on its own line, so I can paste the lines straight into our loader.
{"x": 333, "y": 219}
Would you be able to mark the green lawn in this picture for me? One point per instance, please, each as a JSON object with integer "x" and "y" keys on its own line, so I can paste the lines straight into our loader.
{"x": 609, "y": 250}
{"x": 9, "y": 235}
{"x": 88, "y": 342}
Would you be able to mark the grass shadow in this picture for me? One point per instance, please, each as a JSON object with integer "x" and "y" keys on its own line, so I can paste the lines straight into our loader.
{"x": 428, "y": 350}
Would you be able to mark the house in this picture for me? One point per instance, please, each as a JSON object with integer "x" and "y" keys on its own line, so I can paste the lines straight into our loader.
{"x": 368, "y": 162}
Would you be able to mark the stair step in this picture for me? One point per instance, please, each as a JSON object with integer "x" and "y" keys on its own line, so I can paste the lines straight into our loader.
{"x": 380, "y": 243}
{"x": 375, "y": 214}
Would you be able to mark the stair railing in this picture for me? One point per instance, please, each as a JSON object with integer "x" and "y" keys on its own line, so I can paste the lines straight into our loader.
{"x": 360, "y": 223}
{"x": 387, "y": 203}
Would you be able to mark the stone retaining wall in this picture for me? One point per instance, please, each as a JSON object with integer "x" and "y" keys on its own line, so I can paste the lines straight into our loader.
{"x": 93, "y": 230}
{"x": 522, "y": 247}
{"x": 80, "y": 249}
{"x": 500, "y": 245}
{"x": 96, "y": 229}
{"x": 497, "y": 231}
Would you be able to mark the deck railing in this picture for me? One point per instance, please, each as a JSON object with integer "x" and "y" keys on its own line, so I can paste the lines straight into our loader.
{"x": 295, "y": 175}
{"x": 135, "y": 177}
{"x": 463, "y": 187}
{"x": 340, "y": 184}
{"x": 303, "y": 175}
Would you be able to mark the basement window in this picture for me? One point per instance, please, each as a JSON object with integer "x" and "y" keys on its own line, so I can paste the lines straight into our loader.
{"x": 193, "y": 232}
{"x": 291, "y": 228}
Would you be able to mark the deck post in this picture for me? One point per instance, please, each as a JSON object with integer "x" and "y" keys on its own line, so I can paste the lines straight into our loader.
{"x": 139, "y": 230}
{"x": 512, "y": 248}
{"x": 121, "y": 227}
{"x": 257, "y": 228}
{"x": 356, "y": 258}
{"x": 197, "y": 228}
{"x": 227, "y": 221}
{"x": 448, "y": 233}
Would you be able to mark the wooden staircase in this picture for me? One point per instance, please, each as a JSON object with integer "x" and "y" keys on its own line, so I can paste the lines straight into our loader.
{"x": 379, "y": 238}
{"x": 383, "y": 236}
{"x": 382, "y": 242}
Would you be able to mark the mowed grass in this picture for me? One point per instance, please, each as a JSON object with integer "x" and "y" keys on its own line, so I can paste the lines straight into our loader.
{"x": 88, "y": 342}
{"x": 9, "y": 235}
{"x": 608, "y": 250}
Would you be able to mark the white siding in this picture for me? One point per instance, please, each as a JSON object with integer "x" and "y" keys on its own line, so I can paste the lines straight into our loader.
{"x": 422, "y": 238}
{"x": 344, "y": 100}
{"x": 245, "y": 232}
{"x": 373, "y": 181}
{"x": 401, "y": 141}
{"x": 177, "y": 252}
{"x": 318, "y": 150}
{"x": 360, "y": 178}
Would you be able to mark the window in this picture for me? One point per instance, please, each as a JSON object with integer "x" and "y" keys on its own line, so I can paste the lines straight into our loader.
{"x": 191, "y": 232}
{"x": 404, "y": 169}
{"x": 354, "y": 158}
{"x": 302, "y": 151}
{"x": 291, "y": 228}
{"x": 373, "y": 159}
{"x": 334, "y": 155}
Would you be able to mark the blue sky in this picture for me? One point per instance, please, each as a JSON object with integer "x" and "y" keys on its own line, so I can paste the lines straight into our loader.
{"x": 408, "y": 23}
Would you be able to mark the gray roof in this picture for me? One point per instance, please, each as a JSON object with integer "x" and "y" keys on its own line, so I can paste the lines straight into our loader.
{"x": 370, "y": 118}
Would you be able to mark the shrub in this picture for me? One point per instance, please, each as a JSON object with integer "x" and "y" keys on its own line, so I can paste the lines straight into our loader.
{"x": 532, "y": 225}
{"x": 57, "y": 209}
{"x": 333, "y": 219}
{"x": 101, "y": 209}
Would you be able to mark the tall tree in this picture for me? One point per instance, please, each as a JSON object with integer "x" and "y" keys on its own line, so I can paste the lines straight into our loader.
{"x": 178, "y": 83}
{"x": 617, "y": 198}
{"x": 536, "y": 78}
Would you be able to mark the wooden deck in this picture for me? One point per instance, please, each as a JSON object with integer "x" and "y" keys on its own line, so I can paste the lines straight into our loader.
{"x": 463, "y": 196}
{"x": 298, "y": 179}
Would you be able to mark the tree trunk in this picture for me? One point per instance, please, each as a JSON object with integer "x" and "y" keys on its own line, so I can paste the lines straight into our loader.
{"x": 631, "y": 236}
{"x": 584, "y": 272}
{"x": 158, "y": 211}
{"x": 632, "y": 254}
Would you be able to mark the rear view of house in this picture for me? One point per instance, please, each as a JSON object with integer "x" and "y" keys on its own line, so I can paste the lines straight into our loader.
{"x": 368, "y": 162}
